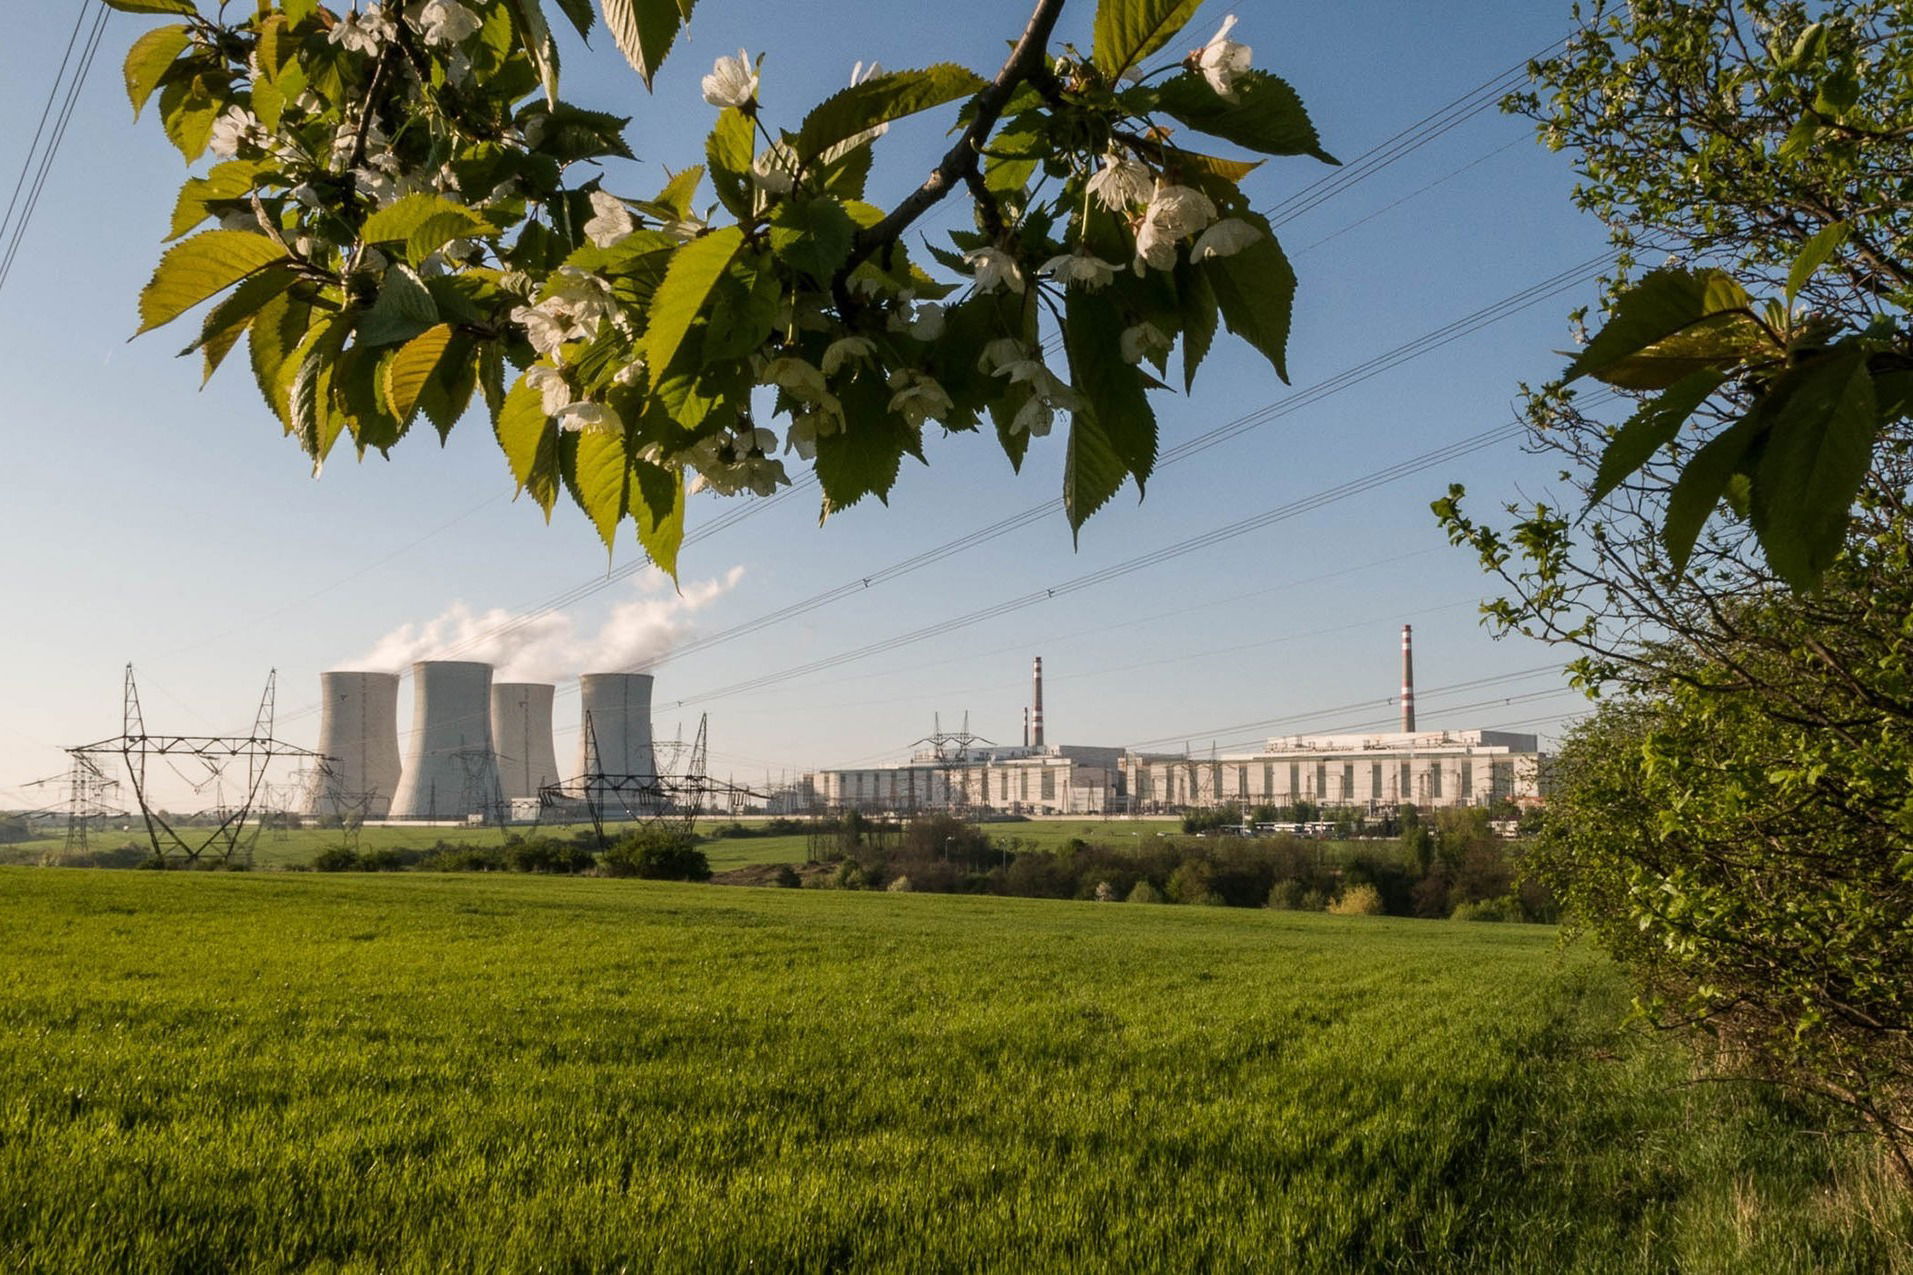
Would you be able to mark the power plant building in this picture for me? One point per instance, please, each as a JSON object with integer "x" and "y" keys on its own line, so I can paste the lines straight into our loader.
{"x": 451, "y": 769}
{"x": 1054, "y": 779}
{"x": 359, "y": 737}
{"x": 1372, "y": 773}
{"x": 521, "y": 732}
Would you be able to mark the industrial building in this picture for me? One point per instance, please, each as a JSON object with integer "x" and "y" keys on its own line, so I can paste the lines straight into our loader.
{"x": 1372, "y": 773}
{"x": 952, "y": 774}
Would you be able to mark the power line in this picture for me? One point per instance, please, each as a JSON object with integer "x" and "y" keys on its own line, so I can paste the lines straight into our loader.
{"x": 17, "y": 225}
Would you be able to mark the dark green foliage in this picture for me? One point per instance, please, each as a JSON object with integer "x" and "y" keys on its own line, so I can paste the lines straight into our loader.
{"x": 655, "y": 854}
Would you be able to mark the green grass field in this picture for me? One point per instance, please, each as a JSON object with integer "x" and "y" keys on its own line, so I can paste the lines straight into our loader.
{"x": 413, "y": 1072}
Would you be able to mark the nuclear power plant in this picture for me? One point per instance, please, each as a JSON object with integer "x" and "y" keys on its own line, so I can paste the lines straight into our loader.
{"x": 521, "y": 732}
{"x": 359, "y": 731}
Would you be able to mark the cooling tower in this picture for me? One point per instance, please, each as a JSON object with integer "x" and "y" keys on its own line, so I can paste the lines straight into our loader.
{"x": 360, "y": 733}
{"x": 521, "y": 732}
{"x": 617, "y": 716}
{"x": 450, "y": 769}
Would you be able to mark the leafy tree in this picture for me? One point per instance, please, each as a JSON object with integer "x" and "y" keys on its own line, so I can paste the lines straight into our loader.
{"x": 1763, "y": 145}
{"x": 407, "y": 214}
{"x": 1736, "y": 823}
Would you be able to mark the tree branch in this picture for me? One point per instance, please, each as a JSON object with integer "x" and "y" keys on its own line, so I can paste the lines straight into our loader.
{"x": 1025, "y": 63}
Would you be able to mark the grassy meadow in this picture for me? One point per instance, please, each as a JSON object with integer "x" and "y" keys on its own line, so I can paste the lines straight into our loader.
{"x": 419, "y": 1073}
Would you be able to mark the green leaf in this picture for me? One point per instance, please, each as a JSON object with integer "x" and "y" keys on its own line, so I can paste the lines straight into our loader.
{"x": 229, "y": 181}
{"x": 1669, "y": 325}
{"x": 1255, "y": 289}
{"x": 448, "y": 392}
{"x": 404, "y": 309}
{"x": 880, "y": 99}
{"x": 743, "y": 310}
{"x": 812, "y": 236}
{"x": 227, "y": 322}
{"x": 1651, "y": 428}
{"x": 1199, "y": 315}
{"x": 1819, "y": 449}
{"x": 729, "y": 152}
{"x": 422, "y": 215}
{"x": 644, "y": 30}
{"x": 866, "y": 455}
{"x": 1118, "y": 420}
{"x": 598, "y": 472}
{"x": 200, "y": 267}
{"x": 1127, "y": 31}
{"x": 277, "y": 330}
{"x": 315, "y": 421}
{"x": 579, "y": 11}
{"x": 153, "y": 6}
{"x": 694, "y": 271}
{"x": 407, "y": 371}
{"x": 1267, "y": 115}
{"x": 1702, "y": 483}
{"x": 530, "y": 443}
{"x": 188, "y": 108}
{"x": 149, "y": 59}
{"x": 535, "y": 38}
{"x": 657, "y": 507}
{"x": 1813, "y": 255}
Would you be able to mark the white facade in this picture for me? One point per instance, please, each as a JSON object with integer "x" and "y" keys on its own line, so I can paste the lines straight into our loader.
{"x": 1057, "y": 779}
{"x": 1363, "y": 772}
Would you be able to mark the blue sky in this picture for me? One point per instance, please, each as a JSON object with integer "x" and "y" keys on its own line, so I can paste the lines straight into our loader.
{"x": 147, "y": 520}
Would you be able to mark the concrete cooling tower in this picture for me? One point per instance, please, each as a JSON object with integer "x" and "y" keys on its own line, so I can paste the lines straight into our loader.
{"x": 617, "y": 716}
{"x": 360, "y": 733}
{"x": 521, "y": 732}
{"x": 451, "y": 771}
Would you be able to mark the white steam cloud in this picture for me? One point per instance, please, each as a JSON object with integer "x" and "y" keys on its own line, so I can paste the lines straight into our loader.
{"x": 548, "y": 646}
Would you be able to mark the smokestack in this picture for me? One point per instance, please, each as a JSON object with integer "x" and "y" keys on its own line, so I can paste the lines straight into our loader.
{"x": 521, "y": 730}
{"x": 1026, "y": 726}
{"x": 1408, "y": 679}
{"x": 360, "y": 733}
{"x": 618, "y": 706}
{"x": 450, "y": 769}
{"x": 1036, "y": 708}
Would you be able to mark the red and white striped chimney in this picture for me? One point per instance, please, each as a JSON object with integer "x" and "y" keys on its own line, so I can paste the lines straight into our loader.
{"x": 1408, "y": 679}
{"x": 1036, "y": 708}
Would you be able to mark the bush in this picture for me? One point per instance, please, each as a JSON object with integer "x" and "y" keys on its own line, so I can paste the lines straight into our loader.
{"x": 335, "y": 859}
{"x": 1358, "y": 900}
{"x": 1106, "y": 893}
{"x": 547, "y": 854}
{"x": 385, "y": 861}
{"x": 447, "y": 857}
{"x": 1487, "y": 910}
{"x": 1293, "y": 896}
{"x": 656, "y": 854}
{"x": 787, "y": 878}
{"x": 1145, "y": 893}
{"x": 899, "y": 885}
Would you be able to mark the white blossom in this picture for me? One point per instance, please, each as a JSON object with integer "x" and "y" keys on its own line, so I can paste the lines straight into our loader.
{"x": 1043, "y": 383}
{"x": 589, "y": 418}
{"x": 1154, "y": 248}
{"x": 807, "y": 426}
{"x": 362, "y": 32}
{"x": 994, "y": 268}
{"x": 236, "y": 127}
{"x": 1082, "y": 269}
{"x": 1180, "y": 210}
{"x": 775, "y": 170}
{"x": 1122, "y": 182}
{"x": 1033, "y": 418}
{"x": 553, "y": 389}
{"x": 730, "y": 464}
{"x": 632, "y": 373}
{"x": 443, "y": 21}
{"x": 1145, "y": 340}
{"x": 1222, "y": 60}
{"x": 923, "y": 320}
{"x": 845, "y": 350}
{"x": 611, "y": 221}
{"x": 458, "y": 68}
{"x": 918, "y": 398}
{"x": 798, "y": 376}
{"x": 684, "y": 229}
{"x": 1224, "y": 239}
{"x": 732, "y": 81}
{"x": 1001, "y": 353}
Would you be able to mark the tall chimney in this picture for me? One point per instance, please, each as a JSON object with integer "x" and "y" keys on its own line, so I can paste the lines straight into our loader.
{"x": 1026, "y": 726}
{"x": 1036, "y": 709}
{"x": 1408, "y": 679}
